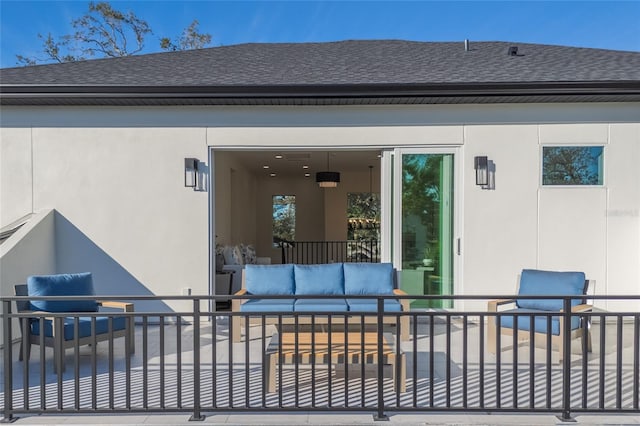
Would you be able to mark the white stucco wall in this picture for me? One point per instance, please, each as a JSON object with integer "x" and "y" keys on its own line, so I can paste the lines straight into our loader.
{"x": 123, "y": 212}
{"x": 116, "y": 177}
{"x": 15, "y": 174}
{"x": 29, "y": 251}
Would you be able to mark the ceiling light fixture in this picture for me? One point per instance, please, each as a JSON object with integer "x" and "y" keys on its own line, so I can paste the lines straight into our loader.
{"x": 327, "y": 179}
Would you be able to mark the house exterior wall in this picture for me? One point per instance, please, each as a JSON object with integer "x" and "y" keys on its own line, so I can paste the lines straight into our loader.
{"x": 116, "y": 177}
{"x": 29, "y": 251}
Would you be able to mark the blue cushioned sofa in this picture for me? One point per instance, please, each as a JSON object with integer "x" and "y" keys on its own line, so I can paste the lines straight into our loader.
{"x": 541, "y": 283}
{"x": 333, "y": 279}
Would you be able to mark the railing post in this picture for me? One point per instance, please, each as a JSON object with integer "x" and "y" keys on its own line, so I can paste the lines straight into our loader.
{"x": 196, "y": 416}
{"x": 380, "y": 414}
{"x": 8, "y": 371}
{"x": 566, "y": 362}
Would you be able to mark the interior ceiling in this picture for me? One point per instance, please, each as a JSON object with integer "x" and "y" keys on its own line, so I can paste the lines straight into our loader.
{"x": 292, "y": 161}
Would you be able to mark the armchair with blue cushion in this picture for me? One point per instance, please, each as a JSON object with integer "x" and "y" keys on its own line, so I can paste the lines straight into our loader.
{"x": 59, "y": 332}
{"x": 542, "y": 283}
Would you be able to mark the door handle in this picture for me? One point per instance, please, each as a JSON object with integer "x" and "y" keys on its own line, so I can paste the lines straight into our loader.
{"x": 458, "y": 246}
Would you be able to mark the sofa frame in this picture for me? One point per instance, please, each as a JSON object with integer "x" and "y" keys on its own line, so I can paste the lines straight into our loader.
{"x": 338, "y": 318}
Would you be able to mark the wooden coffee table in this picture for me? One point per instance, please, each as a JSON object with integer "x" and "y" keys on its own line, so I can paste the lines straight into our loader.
{"x": 321, "y": 353}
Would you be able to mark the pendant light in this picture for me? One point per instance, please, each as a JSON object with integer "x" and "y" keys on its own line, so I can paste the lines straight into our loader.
{"x": 327, "y": 179}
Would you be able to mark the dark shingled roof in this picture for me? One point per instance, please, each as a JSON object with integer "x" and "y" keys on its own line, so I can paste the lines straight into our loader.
{"x": 347, "y": 69}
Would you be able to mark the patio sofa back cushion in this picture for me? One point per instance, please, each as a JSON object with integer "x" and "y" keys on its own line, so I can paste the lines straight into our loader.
{"x": 269, "y": 280}
{"x": 62, "y": 285}
{"x": 319, "y": 279}
{"x": 543, "y": 283}
{"x": 368, "y": 278}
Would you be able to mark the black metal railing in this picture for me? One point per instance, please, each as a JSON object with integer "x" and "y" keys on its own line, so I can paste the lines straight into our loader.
{"x": 313, "y": 361}
{"x": 315, "y": 252}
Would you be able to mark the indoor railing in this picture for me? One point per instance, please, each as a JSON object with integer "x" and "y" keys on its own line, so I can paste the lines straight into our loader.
{"x": 316, "y": 252}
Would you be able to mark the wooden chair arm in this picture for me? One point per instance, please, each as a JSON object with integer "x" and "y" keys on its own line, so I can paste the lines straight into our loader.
{"x": 125, "y": 306}
{"x": 492, "y": 306}
{"x": 405, "y": 303}
{"x": 235, "y": 303}
{"x": 582, "y": 308}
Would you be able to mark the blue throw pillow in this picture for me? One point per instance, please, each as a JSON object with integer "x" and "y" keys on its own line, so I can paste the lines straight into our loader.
{"x": 368, "y": 278}
{"x": 271, "y": 280}
{"x": 319, "y": 279}
{"x": 543, "y": 283}
{"x": 62, "y": 285}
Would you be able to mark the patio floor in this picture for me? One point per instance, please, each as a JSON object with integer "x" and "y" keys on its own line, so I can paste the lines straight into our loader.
{"x": 239, "y": 383}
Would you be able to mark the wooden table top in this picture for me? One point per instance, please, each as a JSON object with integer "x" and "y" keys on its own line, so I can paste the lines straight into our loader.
{"x": 316, "y": 345}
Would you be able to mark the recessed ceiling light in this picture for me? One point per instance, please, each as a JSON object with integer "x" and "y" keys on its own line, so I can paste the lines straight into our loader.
{"x": 307, "y": 174}
{"x": 305, "y": 167}
{"x": 266, "y": 166}
{"x": 278, "y": 156}
{"x": 272, "y": 174}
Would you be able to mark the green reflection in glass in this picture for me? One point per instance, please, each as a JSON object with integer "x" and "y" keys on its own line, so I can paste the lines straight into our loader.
{"x": 427, "y": 226}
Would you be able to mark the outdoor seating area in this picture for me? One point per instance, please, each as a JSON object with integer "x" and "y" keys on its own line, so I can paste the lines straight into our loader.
{"x": 537, "y": 323}
{"x": 335, "y": 287}
{"x": 189, "y": 362}
{"x": 49, "y": 328}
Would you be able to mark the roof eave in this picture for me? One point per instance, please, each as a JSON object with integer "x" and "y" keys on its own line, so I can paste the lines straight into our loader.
{"x": 517, "y": 92}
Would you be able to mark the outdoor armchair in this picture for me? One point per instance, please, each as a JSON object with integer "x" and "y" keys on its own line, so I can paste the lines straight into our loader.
{"x": 542, "y": 283}
{"x": 60, "y": 331}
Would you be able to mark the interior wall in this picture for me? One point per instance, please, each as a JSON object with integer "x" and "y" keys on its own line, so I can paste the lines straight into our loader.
{"x": 309, "y": 201}
{"x": 335, "y": 212}
{"x": 235, "y": 195}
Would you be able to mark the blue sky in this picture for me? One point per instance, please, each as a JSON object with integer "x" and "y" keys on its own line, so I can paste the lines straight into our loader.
{"x": 598, "y": 24}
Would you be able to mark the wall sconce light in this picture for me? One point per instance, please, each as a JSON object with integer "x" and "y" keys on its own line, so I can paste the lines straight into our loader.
{"x": 191, "y": 173}
{"x": 481, "y": 164}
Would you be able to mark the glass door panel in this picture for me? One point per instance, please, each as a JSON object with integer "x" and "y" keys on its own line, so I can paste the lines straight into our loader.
{"x": 426, "y": 215}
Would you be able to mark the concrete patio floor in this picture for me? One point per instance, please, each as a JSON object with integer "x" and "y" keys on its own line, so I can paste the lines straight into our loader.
{"x": 250, "y": 372}
{"x": 315, "y": 419}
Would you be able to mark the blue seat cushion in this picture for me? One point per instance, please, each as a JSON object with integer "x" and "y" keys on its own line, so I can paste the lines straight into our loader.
{"x": 267, "y": 305}
{"x": 84, "y": 326}
{"x": 271, "y": 280}
{"x": 62, "y": 285}
{"x": 319, "y": 279}
{"x": 320, "y": 305}
{"x": 368, "y": 278}
{"x": 366, "y": 305}
{"x": 545, "y": 283}
{"x": 540, "y": 322}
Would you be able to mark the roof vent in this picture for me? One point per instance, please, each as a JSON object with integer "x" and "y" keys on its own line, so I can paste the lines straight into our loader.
{"x": 466, "y": 45}
{"x": 513, "y": 51}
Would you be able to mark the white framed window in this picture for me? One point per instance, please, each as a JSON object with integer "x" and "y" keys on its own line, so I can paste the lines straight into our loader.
{"x": 573, "y": 165}
{"x": 284, "y": 219}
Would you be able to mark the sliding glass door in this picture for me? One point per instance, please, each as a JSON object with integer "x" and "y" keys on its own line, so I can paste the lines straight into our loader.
{"x": 423, "y": 234}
